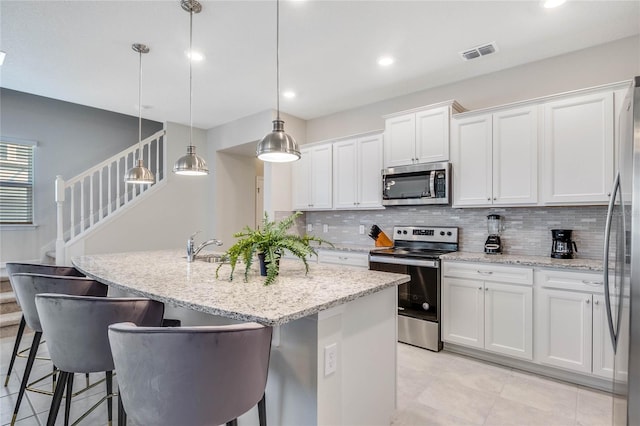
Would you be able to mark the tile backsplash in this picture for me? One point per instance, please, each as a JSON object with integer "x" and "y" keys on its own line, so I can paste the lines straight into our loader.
{"x": 527, "y": 229}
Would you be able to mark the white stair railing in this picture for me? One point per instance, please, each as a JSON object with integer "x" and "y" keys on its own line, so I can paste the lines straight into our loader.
{"x": 87, "y": 199}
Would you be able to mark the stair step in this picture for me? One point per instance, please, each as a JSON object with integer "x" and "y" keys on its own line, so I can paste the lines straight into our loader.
{"x": 9, "y": 324}
{"x": 8, "y": 303}
{"x": 5, "y": 285}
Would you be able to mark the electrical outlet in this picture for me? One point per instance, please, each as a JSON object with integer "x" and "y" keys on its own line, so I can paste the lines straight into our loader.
{"x": 330, "y": 359}
{"x": 325, "y": 228}
{"x": 309, "y": 227}
{"x": 361, "y": 230}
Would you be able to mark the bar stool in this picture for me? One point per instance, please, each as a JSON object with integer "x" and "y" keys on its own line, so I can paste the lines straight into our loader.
{"x": 77, "y": 327}
{"x": 27, "y": 286}
{"x": 32, "y": 268}
{"x": 193, "y": 376}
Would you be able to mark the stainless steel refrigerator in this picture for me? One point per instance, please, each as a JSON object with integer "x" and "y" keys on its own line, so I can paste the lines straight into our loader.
{"x": 622, "y": 264}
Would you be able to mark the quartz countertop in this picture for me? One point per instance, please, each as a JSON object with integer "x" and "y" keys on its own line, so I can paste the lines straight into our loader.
{"x": 166, "y": 276}
{"x": 539, "y": 261}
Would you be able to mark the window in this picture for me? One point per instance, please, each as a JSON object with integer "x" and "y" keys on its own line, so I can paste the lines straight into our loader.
{"x": 16, "y": 183}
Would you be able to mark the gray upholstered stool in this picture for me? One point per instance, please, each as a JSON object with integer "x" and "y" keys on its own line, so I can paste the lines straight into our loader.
{"x": 27, "y": 286}
{"x": 191, "y": 375}
{"x": 76, "y": 327}
{"x": 32, "y": 268}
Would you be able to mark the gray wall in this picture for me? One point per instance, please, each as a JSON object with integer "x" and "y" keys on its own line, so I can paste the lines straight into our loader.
{"x": 71, "y": 138}
{"x": 527, "y": 229}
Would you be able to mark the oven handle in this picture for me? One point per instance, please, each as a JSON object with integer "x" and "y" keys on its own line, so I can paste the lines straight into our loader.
{"x": 404, "y": 261}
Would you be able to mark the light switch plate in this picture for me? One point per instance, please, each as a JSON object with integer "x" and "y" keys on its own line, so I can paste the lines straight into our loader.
{"x": 309, "y": 227}
{"x": 325, "y": 228}
{"x": 361, "y": 230}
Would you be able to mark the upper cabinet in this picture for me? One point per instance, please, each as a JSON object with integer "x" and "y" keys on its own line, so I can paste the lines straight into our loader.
{"x": 495, "y": 158}
{"x": 418, "y": 136}
{"x": 312, "y": 176}
{"x": 356, "y": 173}
{"x": 578, "y": 149}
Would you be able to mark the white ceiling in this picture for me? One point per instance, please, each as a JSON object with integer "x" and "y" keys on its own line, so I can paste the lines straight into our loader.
{"x": 79, "y": 51}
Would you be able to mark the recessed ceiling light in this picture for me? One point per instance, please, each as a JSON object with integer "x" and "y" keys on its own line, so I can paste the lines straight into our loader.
{"x": 290, "y": 94}
{"x": 195, "y": 56}
{"x": 2, "y": 56}
{"x": 385, "y": 61}
{"x": 550, "y": 4}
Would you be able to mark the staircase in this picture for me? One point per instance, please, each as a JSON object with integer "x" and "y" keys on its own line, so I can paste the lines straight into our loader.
{"x": 93, "y": 197}
{"x": 10, "y": 313}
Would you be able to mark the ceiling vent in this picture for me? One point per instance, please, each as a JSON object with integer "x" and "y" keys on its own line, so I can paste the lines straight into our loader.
{"x": 476, "y": 52}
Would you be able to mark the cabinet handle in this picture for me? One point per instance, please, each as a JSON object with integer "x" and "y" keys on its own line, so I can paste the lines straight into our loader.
{"x": 588, "y": 301}
{"x": 488, "y": 198}
{"x": 486, "y": 289}
{"x": 495, "y": 198}
{"x": 608, "y": 194}
{"x": 485, "y": 272}
{"x": 596, "y": 302}
{"x": 479, "y": 288}
{"x": 594, "y": 283}
{"x": 343, "y": 257}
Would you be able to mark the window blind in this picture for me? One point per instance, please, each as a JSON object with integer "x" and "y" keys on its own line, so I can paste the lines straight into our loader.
{"x": 16, "y": 184}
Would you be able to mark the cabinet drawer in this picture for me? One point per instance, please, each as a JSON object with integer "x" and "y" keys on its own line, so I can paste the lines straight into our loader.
{"x": 348, "y": 258}
{"x": 569, "y": 280}
{"x": 488, "y": 272}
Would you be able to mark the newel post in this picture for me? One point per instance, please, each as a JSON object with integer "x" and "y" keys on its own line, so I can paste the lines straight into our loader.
{"x": 59, "y": 193}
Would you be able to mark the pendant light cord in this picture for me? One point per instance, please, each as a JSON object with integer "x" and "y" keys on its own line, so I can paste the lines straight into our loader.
{"x": 190, "y": 76}
{"x": 140, "y": 106}
{"x": 278, "y": 59}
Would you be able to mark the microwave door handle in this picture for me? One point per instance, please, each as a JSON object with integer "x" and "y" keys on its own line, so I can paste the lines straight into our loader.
{"x": 432, "y": 184}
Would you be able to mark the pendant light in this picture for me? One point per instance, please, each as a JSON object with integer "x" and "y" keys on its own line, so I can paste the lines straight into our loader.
{"x": 191, "y": 164}
{"x": 139, "y": 174}
{"x": 278, "y": 146}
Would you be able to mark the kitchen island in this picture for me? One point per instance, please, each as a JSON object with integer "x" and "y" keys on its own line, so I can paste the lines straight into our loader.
{"x": 349, "y": 312}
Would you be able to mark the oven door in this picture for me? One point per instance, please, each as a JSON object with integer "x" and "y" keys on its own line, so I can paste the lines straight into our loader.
{"x": 418, "y": 300}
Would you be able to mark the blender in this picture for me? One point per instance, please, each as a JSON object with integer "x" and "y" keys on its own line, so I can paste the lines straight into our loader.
{"x": 494, "y": 227}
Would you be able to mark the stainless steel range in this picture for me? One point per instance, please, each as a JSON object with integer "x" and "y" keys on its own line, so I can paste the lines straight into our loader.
{"x": 416, "y": 252}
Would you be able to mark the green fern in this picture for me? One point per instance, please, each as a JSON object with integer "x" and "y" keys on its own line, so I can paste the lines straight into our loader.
{"x": 272, "y": 240}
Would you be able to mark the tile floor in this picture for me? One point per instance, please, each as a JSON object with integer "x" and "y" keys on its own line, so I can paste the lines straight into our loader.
{"x": 433, "y": 389}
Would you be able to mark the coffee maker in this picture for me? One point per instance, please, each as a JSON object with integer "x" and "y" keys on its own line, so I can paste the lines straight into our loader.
{"x": 493, "y": 245}
{"x": 562, "y": 247}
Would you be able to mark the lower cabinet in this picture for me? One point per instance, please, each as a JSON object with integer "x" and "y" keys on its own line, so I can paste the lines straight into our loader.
{"x": 344, "y": 257}
{"x": 486, "y": 314}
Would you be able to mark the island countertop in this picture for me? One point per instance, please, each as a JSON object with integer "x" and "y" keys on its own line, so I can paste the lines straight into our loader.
{"x": 168, "y": 277}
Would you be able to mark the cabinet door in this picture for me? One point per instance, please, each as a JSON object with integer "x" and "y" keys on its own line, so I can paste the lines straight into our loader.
{"x": 602, "y": 347}
{"x": 400, "y": 140}
{"x": 369, "y": 167}
{"x": 578, "y": 149}
{"x": 563, "y": 329}
{"x": 515, "y": 156}
{"x": 301, "y": 174}
{"x": 321, "y": 177}
{"x": 471, "y": 161}
{"x": 508, "y": 319}
{"x": 345, "y": 174}
{"x": 463, "y": 312}
{"x": 432, "y": 135}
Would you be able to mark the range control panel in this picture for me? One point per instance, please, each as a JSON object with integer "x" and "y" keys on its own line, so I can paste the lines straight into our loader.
{"x": 434, "y": 234}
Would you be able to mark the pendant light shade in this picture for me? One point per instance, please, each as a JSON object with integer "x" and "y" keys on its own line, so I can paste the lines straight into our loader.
{"x": 139, "y": 174}
{"x": 278, "y": 146}
{"x": 191, "y": 164}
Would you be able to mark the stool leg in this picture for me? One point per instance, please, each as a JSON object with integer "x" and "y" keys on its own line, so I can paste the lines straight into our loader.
{"x": 27, "y": 370}
{"x": 16, "y": 345}
{"x": 122, "y": 415}
{"x": 109, "y": 381}
{"x": 262, "y": 411}
{"x": 67, "y": 402}
{"x": 57, "y": 398}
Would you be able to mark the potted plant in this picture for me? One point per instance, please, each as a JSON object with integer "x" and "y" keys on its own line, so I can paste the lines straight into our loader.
{"x": 270, "y": 243}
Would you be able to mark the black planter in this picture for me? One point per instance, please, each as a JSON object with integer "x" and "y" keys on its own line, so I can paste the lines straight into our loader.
{"x": 263, "y": 264}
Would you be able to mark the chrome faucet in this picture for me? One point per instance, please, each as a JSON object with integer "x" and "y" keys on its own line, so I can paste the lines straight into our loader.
{"x": 193, "y": 252}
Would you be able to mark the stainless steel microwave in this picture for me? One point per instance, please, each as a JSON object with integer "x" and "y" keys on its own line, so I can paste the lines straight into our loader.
{"x": 428, "y": 183}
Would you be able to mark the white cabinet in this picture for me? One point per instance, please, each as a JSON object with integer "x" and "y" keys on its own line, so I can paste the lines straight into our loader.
{"x": 602, "y": 346}
{"x": 578, "y": 148}
{"x": 572, "y": 331}
{"x": 419, "y": 136}
{"x": 344, "y": 257}
{"x": 488, "y": 307}
{"x": 357, "y": 182}
{"x": 495, "y": 158}
{"x": 312, "y": 178}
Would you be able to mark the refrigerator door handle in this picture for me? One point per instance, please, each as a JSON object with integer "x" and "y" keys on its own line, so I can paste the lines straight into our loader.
{"x": 605, "y": 262}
